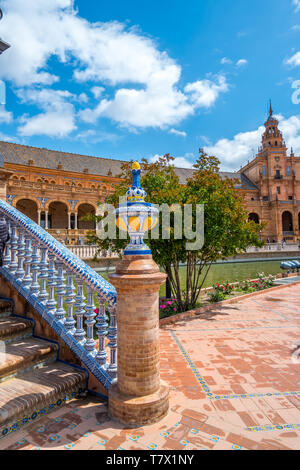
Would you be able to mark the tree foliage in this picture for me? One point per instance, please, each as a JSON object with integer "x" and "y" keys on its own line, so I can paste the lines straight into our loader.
{"x": 227, "y": 230}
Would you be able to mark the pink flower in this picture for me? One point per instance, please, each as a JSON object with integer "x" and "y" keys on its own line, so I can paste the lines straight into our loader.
{"x": 96, "y": 310}
{"x": 169, "y": 302}
{"x": 175, "y": 309}
{"x": 163, "y": 306}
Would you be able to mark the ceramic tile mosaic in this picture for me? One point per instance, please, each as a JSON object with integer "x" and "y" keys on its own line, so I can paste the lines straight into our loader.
{"x": 255, "y": 402}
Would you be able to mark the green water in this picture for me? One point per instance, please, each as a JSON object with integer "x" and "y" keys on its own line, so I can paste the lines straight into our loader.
{"x": 231, "y": 272}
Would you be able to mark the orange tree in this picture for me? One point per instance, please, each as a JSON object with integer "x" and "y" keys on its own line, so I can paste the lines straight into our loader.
{"x": 227, "y": 230}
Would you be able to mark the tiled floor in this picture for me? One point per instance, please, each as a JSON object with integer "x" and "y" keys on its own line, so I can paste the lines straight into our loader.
{"x": 234, "y": 384}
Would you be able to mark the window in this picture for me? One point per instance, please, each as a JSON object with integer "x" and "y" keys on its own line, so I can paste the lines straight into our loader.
{"x": 288, "y": 171}
{"x": 278, "y": 189}
{"x": 264, "y": 170}
{"x": 277, "y": 175}
{"x": 290, "y": 198}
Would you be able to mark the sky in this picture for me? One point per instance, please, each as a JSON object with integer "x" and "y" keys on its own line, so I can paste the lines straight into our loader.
{"x": 139, "y": 79}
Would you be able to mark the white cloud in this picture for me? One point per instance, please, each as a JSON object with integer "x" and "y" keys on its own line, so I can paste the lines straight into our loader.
{"x": 177, "y": 132}
{"x": 145, "y": 79}
{"x": 296, "y": 3}
{"x": 7, "y": 138}
{"x": 243, "y": 146}
{"x": 178, "y": 162}
{"x": 225, "y": 60}
{"x": 204, "y": 93}
{"x": 296, "y": 27}
{"x": 6, "y": 117}
{"x": 241, "y": 62}
{"x": 161, "y": 103}
{"x": 294, "y": 60}
{"x": 97, "y": 91}
{"x": 92, "y": 136}
{"x": 58, "y": 117}
{"x": 83, "y": 98}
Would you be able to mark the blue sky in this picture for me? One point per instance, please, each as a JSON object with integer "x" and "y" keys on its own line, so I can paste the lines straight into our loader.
{"x": 139, "y": 79}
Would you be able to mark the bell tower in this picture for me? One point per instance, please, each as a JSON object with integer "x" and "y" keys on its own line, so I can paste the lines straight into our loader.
{"x": 272, "y": 137}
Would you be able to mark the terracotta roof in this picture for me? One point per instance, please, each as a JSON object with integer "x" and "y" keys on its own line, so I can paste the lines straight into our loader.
{"x": 50, "y": 159}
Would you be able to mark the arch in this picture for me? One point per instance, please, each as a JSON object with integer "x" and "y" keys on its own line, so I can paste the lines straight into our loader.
{"x": 287, "y": 222}
{"x": 255, "y": 217}
{"x": 29, "y": 208}
{"x": 58, "y": 215}
{"x": 52, "y": 182}
{"x": 51, "y": 201}
{"x": 85, "y": 210}
{"x": 15, "y": 177}
{"x": 22, "y": 178}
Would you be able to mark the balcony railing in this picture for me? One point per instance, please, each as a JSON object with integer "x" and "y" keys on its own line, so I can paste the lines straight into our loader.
{"x": 55, "y": 187}
{"x": 44, "y": 272}
{"x": 90, "y": 251}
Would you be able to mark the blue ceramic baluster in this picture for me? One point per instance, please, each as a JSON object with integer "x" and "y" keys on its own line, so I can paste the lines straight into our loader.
{"x": 7, "y": 253}
{"x": 27, "y": 261}
{"x": 70, "y": 322}
{"x": 80, "y": 311}
{"x": 43, "y": 294}
{"x": 101, "y": 325}
{"x": 21, "y": 255}
{"x": 51, "y": 302}
{"x": 112, "y": 336}
{"x": 35, "y": 268}
{"x": 60, "y": 292}
{"x": 14, "y": 248}
{"x": 90, "y": 322}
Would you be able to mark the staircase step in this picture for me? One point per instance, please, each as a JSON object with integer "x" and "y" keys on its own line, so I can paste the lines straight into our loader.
{"x": 13, "y": 327}
{"x": 5, "y": 308}
{"x": 22, "y": 354}
{"x": 25, "y": 398}
{"x": 5, "y": 305}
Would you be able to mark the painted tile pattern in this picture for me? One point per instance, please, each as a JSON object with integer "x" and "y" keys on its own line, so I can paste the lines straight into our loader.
{"x": 256, "y": 363}
{"x": 22, "y": 257}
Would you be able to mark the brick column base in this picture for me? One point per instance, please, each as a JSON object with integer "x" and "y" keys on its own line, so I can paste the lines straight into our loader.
{"x": 138, "y": 411}
{"x": 138, "y": 398}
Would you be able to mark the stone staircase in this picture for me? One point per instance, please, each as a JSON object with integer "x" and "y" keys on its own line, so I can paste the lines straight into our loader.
{"x": 33, "y": 382}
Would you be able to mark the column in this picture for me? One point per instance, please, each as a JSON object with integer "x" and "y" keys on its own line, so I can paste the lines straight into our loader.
{"x": 39, "y": 216}
{"x": 46, "y": 220}
{"x": 76, "y": 220}
{"x": 138, "y": 397}
{"x": 69, "y": 220}
{"x": 4, "y": 177}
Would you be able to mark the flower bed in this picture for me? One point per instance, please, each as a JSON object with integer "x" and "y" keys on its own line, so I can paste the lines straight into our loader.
{"x": 221, "y": 292}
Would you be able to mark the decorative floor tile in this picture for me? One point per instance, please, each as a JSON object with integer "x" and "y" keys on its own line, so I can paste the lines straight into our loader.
{"x": 232, "y": 384}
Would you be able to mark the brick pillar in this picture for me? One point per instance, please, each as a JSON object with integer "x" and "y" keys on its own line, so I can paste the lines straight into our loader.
{"x": 138, "y": 398}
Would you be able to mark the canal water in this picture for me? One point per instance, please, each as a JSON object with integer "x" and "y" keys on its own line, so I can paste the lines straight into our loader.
{"x": 231, "y": 272}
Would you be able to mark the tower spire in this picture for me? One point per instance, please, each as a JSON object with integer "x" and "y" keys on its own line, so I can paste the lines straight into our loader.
{"x": 270, "y": 110}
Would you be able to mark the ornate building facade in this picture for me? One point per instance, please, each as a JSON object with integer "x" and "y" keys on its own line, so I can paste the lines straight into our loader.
{"x": 58, "y": 190}
{"x": 276, "y": 174}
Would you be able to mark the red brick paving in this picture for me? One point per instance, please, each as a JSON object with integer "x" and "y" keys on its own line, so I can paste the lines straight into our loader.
{"x": 238, "y": 349}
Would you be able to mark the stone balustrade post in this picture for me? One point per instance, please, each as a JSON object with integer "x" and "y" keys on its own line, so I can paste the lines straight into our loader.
{"x": 138, "y": 397}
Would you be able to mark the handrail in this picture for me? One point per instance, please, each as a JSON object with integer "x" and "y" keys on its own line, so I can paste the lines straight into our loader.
{"x": 39, "y": 267}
